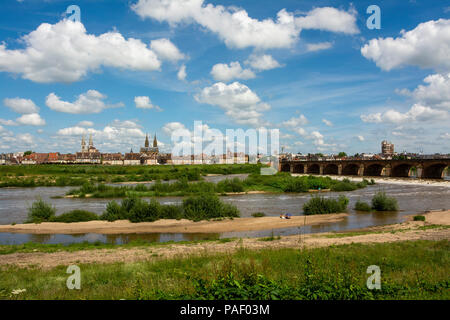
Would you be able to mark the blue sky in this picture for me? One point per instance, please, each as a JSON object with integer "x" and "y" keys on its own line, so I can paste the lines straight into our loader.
{"x": 309, "y": 68}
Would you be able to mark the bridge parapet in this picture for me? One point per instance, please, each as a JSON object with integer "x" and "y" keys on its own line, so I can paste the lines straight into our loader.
{"x": 419, "y": 168}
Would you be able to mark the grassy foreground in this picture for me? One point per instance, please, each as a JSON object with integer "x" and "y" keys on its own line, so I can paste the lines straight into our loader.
{"x": 409, "y": 270}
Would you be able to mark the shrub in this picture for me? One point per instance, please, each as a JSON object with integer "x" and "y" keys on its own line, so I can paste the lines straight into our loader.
{"x": 362, "y": 206}
{"x": 171, "y": 212}
{"x": 113, "y": 212}
{"x": 321, "y": 205}
{"x": 207, "y": 206}
{"x": 40, "y": 211}
{"x": 419, "y": 218}
{"x": 258, "y": 214}
{"x": 75, "y": 216}
{"x": 230, "y": 185}
{"x": 345, "y": 186}
{"x": 381, "y": 202}
{"x": 143, "y": 211}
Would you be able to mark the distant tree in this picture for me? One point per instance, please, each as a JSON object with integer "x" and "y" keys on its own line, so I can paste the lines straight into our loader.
{"x": 342, "y": 154}
{"x": 27, "y": 153}
{"x": 319, "y": 154}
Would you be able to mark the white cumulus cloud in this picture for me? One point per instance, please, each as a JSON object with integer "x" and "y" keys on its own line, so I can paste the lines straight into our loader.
{"x": 238, "y": 30}
{"x": 31, "y": 119}
{"x": 426, "y": 46}
{"x": 90, "y": 102}
{"x": 20, "y": 105}
{"x": 65, "y": 52}
{"x": 144, "y": 102}
{"x": 416, "y": 113}
{"x": 262, "y": 62}
{"x": 181, "y": 75}
{"x": 224, "y": 72}
{"x": 237, "y": 100}
{"x": 166, "y": 50}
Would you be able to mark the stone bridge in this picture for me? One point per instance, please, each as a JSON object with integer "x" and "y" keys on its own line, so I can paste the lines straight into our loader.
{"x": 419, "y": 168}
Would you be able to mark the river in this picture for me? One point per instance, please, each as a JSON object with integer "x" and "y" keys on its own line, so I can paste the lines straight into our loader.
{"x": 412, "y": 198}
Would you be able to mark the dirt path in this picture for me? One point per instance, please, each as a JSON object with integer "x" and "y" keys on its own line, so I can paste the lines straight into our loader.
{"x": 172, "y": 226}
{"x": 410, "y": 230}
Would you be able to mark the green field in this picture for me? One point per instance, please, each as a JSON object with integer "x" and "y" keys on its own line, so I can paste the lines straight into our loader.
{"x": 409, "y": 270}
{"x": 77, "y": 175}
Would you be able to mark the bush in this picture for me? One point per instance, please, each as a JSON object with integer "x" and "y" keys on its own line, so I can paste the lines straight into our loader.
{"x": 345, "y": 186}
{"x": 113, "y": 212}
{"x": 171, "y": 212}
{"x": 381, "y": 202}
{"x": 40, "y": 211}
{"x": 362, "y": 206}
{"x": 143, "y": 211}
{"x": 207, "y": 206}
{"x": 321, "y": 205}
{"x": 76, "y": 216}
{"x": 230, "y": 185}
{"x": 419, "y": 218}
{"x": 258, "y": 214}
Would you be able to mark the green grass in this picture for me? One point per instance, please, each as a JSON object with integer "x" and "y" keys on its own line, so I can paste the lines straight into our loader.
{"x": 409, "y": 270}
{"x": 419, "y": 218}
{"x": 78, "y": 175}
{"x": 49, "y": 248}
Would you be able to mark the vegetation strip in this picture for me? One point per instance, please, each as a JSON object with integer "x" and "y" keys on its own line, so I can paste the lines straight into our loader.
{"x": 410, "y": 270}
{"x": 78, "y": 175}
{"x": 280, "y": 182}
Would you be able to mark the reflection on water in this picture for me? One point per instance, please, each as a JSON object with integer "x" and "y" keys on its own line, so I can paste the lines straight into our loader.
{"x": 17, "y": 238}
{"x": 411, "y": 199}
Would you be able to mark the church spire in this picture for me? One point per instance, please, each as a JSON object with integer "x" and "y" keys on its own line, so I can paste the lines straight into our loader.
{"x": 146, "y": 141}
{"x": 155, "y": 142}
{"x": 91, "y": 144}
{"x": 83, "y": 144}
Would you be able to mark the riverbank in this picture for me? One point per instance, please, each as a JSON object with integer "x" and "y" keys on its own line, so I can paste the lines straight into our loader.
{"x": 172, "y": 226}
{"x": 406, "y": 231}
{"x": 388, "y": 180}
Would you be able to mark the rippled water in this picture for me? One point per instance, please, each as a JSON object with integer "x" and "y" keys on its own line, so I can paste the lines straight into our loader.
{"x": 411, "y": 198}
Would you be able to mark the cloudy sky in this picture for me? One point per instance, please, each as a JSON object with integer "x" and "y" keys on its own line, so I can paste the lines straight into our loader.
{"x": 309, "y": 68}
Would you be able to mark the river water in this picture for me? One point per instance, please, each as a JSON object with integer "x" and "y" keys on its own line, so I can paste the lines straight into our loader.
{"x": 14, "y": 203}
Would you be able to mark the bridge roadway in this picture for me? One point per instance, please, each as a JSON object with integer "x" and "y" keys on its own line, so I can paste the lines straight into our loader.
{"x": 420, "y": 168}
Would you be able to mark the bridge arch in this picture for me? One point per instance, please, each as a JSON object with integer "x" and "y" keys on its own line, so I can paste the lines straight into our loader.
{"x": 435, "y": 171}
{"x": 373, "y": 170}
{"x": 285, "y": 167}
{"x": 298, "y": 168}
{"x": 402, "y": 170}
{"x": 350, "y": 170}
{"x": 331, "y": 169}
{"x": 314, "y": 169}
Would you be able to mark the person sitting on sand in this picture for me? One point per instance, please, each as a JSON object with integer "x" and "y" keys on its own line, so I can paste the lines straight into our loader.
{"x": 282, "y": 216}
{"x": 287, "y": 216}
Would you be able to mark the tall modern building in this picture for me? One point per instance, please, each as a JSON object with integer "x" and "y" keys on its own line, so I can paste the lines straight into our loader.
{"x": 387, "y": 148}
